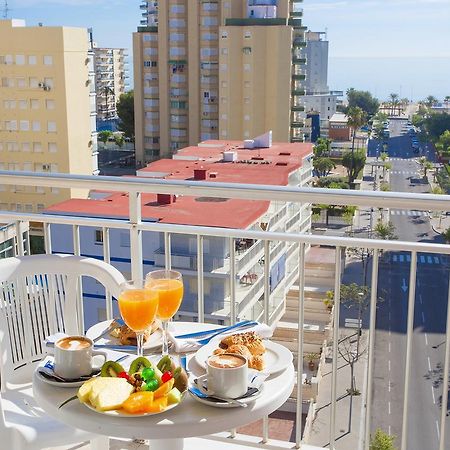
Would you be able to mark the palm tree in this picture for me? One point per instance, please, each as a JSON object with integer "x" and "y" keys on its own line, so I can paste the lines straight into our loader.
{"x": 356, "y": 118}
{"x": 447, "y": 99}
{"x": 394, "y": 102}
{"x": 430, "y": 101}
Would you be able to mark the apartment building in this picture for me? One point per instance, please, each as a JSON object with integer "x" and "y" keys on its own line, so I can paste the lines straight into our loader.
{"x": 280, "y": 164}
{"x": 217, "y": 70}
{"x": 110, "y": 81}
{"x": 47, "y": 109}
{"x": 318, "y": 98}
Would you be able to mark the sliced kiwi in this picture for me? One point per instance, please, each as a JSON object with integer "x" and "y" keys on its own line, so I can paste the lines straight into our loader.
{"x": 181, "y": 379}
{"x": 111, "y": 369}
{"x": 139, "y": 364}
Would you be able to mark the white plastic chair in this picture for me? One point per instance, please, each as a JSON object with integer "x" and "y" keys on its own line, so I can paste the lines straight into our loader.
{"x": 39, "y": 297}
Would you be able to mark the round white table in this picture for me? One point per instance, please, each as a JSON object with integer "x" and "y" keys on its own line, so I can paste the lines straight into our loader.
{"x": 166, "y": 430}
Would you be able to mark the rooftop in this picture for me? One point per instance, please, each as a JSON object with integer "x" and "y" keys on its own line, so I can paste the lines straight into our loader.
{"x": 339, "y": 118}
{"x": 268, "y": 166}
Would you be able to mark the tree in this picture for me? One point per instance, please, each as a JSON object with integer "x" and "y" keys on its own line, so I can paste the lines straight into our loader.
{"x": 443, "y": 143}
{"x": 430, "y": 101}
{"x": 382, "y": 441}
{"x": 103, "y": 136}
{"x": 446, "y": 235}
{"x": 354, "y": 163}
{"x": 426, "y": 167}
{"x": 363, "y": 100}
{"x": 394, "y": 102}
{"x": 385, "y": 231}
{"x": 322, "y": 147}
{"x": 436, "y": 125}
{"x": 119, "y": 140}
{"x": 323, "y": 166}
{"x": 125, "y": 111}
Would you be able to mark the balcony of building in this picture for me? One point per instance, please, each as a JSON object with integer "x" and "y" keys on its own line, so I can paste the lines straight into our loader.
{"x": 416, "y": 280}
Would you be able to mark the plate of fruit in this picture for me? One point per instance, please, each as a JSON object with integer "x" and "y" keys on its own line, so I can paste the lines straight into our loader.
{"x": 144, "y": 389}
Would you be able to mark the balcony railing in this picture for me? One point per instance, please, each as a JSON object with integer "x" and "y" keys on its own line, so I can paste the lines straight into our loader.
{"x": 274, "y": 243}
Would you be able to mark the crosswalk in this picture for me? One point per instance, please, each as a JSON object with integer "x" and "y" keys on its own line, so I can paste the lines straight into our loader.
{"x": 421, "y": 259}
{"x": 404, "y": 172}
{"x": 403, "y": 212}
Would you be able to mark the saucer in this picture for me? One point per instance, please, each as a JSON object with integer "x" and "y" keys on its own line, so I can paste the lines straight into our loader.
{"x": 252, "y": 394}
{"x": 54, "y": 382}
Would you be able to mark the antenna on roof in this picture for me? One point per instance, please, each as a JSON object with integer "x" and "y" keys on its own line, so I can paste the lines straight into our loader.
{"x": 6, "y": 9}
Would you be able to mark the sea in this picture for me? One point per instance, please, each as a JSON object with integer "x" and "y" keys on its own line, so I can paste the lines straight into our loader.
{"x": 413, "y": 78}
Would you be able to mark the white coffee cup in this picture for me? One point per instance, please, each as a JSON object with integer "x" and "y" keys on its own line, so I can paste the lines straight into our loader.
{"x": 73, "y": 356}
{"x": 227, "y": 376}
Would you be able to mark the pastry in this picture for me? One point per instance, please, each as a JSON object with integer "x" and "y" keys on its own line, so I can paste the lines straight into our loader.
{"x": 239, "y": 350}
{"x": 127, "y": 336}
{"x": 256, "y": 362}
{"x": 250, "y": 339}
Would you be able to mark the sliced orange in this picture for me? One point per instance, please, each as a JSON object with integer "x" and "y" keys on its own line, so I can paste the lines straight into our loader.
{"x": 158, "y": 405}
{"x": 164, "y": 389}
{"x": 138, "y": 402}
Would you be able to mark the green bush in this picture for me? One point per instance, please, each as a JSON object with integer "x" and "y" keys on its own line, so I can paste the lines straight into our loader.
{"x": 333, "y": 183}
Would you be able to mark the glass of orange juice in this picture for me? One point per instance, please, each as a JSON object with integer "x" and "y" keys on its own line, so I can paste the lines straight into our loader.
{"x": 138, "y": 307}
{"x": 169, "y": 285}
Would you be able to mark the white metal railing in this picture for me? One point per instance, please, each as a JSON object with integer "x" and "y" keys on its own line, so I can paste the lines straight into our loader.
{"x": 134, "y": 224}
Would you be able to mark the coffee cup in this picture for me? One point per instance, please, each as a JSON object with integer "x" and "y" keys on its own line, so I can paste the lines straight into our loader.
{"x": 226, "y": 376}
{"x": 73, "y": 356}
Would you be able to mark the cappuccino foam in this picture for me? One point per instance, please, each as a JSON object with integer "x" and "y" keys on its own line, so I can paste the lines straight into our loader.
{"x": 73, "y": 343}
{"x": 226, "y": 361}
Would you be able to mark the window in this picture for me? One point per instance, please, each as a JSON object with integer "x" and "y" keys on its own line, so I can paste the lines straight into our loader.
{"x": 50, "y": 104}
{"x": 48, "y": 60}
{"x": 37, "y": 147}
{"x": 11, "y": 125}
{"x": 247, "y": 34}
{"x": 28, "y": 166}
{"x": 99, "y": 237}
{"x": 224, "y": 117}
{"x": 51, "y": 127}
{"x": 150, "y": 37}
{"x": 52, "y": 147}
{"x": 224, "y": 84}
{"x": 177, "y": 9}
{"x": 208, "y": 21}
{"x": 150, "y": 51}
{"x": 9, "y": 59}
{"x": 177, "y": 23}
{"x": 224, "y": 133}
{"x": 247, "y": 100}
{"x": 20, "y": 60}
{"x": 224, "y": 51}
{"x": 223, "y": 67}
{"x": 26, "y": 146}
{"x": 54, "y": 168}
{"x": 40, "y": 207}
{"x": 247, "y": 67}
{"x": 177, "y": 51}
{"x": 210, "y": 6}
{"x": 34, "y": 104}
{"x": 28, "y": 208}
{"x": 55, "y": 191}
{"x": 24, "y": 125}
{"x": 36, "y": 125}
{"x": 23, "y": 104}
{"x": 33, "y": 82}
{"x": 21, "y": 83}
{"x": 32, "y": 60}
{"x": 124, "y": 239}
{"x": 48, "y": 82}
{"x": 224, "y": 34}
{"x": 247, "y": 117}
{"x": 247, "y": 84}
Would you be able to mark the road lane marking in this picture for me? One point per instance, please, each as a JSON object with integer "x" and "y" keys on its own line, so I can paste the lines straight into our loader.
{"x": 389, "y": 365}
{"x": 423, "y": 317}
{"x": 420, "y": 299}
{"x": 389, "y": 347}
{"x": 436, "y": 260}
{"x": 432, "y": 394}
{"x": 389, "y": 385}
{"x": 430, "y": 261}
{"x": 394, "y": 258}
{"x": 408, "y": 258}
{"x": 437, "y": 429}
{"x": 402, "y": 258}
{"x": 422, "y": 258}
{"x": 389, "y": 407}
{"x": 429, "y": 363}
{"x": 426, "y": 339}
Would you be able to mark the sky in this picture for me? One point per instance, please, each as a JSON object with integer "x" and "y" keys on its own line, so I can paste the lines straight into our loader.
{"x": 384, "y": 31}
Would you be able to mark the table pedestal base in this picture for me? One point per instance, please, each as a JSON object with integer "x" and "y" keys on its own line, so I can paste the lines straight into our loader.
{"x": 166, "y": 444}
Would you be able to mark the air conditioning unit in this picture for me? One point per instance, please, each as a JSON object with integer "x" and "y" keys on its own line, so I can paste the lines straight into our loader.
{"x": 46, "y": 167}
{"x": 47, "y": 88}
{"x": 41, "y": 85}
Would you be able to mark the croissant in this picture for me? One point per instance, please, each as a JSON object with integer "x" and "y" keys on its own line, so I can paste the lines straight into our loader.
{"x": 250, "y": 339}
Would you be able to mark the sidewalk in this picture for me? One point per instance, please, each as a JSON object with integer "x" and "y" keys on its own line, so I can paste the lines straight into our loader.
{"x": 350, "y": 411}
{"x": 439, "y": 221}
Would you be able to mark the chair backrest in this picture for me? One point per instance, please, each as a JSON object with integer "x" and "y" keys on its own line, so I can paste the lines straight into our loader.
{"x": 39, "y": 297}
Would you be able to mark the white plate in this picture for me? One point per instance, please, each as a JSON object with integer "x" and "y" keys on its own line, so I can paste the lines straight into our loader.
{"x": 276, "y": 358}
{"x": 220, "y": 404}
{"x": 154, "y": 341}
{"x": 62, "y": 384}
{"x": 118, "y": 413}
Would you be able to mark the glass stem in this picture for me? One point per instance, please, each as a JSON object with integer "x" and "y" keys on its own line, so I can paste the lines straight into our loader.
{"x": 140, "y": 343}
{"x": 165, "y": 343}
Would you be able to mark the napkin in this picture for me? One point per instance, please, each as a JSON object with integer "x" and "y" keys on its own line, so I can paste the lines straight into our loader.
{"x": 192, "y": 345}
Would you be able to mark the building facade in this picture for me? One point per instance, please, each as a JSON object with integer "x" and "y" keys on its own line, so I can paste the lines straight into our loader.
{"x": 47, "y": 109}
{"x": 318, "y": 97}
{"x": 110, "y": 81}
{"x": 217, "y": 70}
{"x": 280, "y": 164}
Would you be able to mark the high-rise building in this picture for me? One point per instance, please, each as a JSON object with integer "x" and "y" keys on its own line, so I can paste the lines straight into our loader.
{"x": 110, "y": 80}
{"x": 318, "y": 98}
{"x": 47, "y": 109}
{"x": 217, "y": 70}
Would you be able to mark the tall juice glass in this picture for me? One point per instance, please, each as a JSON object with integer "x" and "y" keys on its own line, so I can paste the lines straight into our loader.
{"x": 138, "y": 307}
{"x": 169, "y": 285}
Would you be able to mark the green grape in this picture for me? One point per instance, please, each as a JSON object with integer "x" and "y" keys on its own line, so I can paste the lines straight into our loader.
{"x": 148, "y": 374}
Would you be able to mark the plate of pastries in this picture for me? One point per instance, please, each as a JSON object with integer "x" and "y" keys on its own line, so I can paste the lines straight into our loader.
{"x": 262, "y": 355}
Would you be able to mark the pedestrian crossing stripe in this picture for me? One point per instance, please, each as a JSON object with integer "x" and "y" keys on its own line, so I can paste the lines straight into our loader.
{"x": 421, "y": 259}
{"x": 403, "y": 172}
{"x": 402, "y": 212}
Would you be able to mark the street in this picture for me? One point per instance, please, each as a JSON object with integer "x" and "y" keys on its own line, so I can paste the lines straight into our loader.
{"x": 430, "y": 311}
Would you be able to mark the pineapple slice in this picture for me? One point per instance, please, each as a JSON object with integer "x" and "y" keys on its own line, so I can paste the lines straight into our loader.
{"x": 112, "y": 395}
